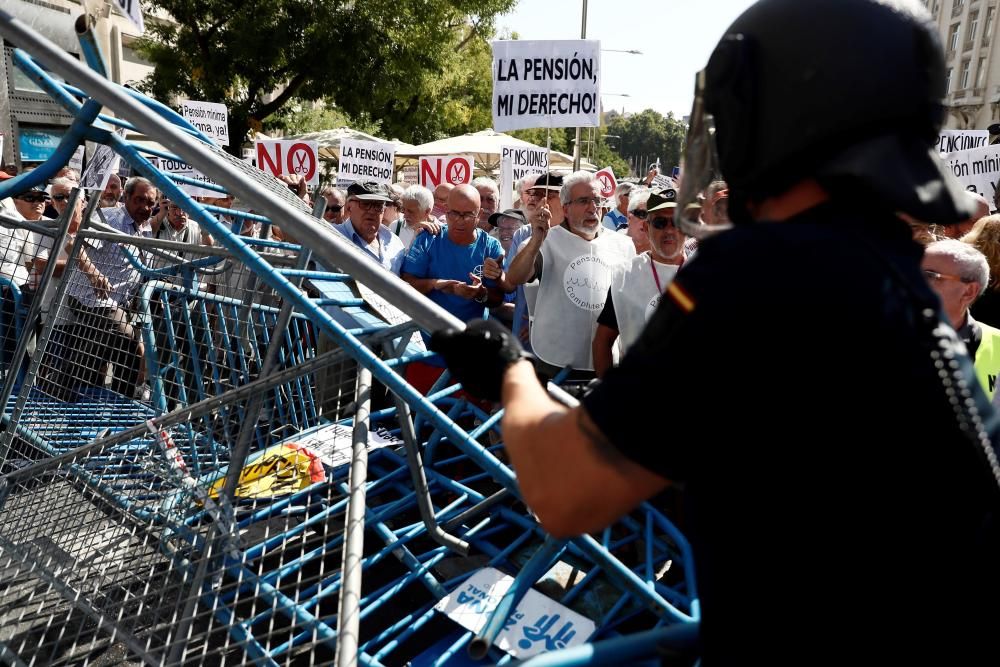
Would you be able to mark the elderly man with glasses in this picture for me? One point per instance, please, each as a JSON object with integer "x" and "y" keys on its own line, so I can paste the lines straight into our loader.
{"x": 450, "y": 268}
{"x": 365, "y": 204}
{"x": 959, "y": 274}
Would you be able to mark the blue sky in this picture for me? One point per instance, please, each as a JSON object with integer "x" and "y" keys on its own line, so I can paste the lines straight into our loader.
{"x": 675, "y": 37}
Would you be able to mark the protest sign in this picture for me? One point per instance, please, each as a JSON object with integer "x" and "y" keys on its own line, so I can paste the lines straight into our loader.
{"x": 210, "y": 118}
{"x": 411, "y": 175}
{"x": 75, "y": 162}
{"x": 365, "y": 161}
{"x": 952, "y": 141}
{"x": 438, "y": 169}
{"x": 523, "y": 160}
{"x": 103, "y": 163}
{"x": 132, "y": 10}
{"x": 178, "y": 168}
{"x": 606, "y": 177}
{"x": 977, "y": 169}
{"x": 546, "y": 83}
{"x": 285, "y": 156}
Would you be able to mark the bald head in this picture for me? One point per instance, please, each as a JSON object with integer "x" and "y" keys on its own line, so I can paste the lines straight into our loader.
{"x": 462, "y": 194}
{"x": 463, "y": 211}
{"x": 441, "y": 199}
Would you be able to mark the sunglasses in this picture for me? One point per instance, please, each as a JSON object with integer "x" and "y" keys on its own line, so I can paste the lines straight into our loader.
{"x": 640, "y": 213}
{"x": 34, "y": 199}
{"x": 661, "y": 222}
{"x": 333, "y": 209}
{"x": 60, "y": 198}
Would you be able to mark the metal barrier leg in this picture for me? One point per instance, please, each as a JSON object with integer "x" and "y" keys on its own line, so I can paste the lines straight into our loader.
{"x": 349, "y": 618}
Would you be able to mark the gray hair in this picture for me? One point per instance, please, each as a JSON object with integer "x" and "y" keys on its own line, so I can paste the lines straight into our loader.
{"x": 135, "y": 182}
{"x": 64, "y": 182}
{"x": 637, "y": 198}
{"x": 573, "y": 180}
{"x": 419, "y": 194}
{"x": 526, "y": 182}
{"x": 972, "y": 264}
{"x": 484, "y": 182}
{"x": 331, "y": 190}
{"x": 624, "y": 189}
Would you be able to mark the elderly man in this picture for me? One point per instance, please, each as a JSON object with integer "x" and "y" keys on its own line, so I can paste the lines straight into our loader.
{"x": 959, "y": 274}
{"x": 573, "y": 262}
{"x": 489, "y": 196}
{"x": 450, "y": 269}
{"x": 617, "y": 217}
{"x": 365, "y": 203}
{"x": 99, "y": 296}
{"x": 441, "y": 200}
{"x": 335, "y": 203}
{"x": 112, "y": 192}
{"x": 636, "y": 288}
{"x": 179, "y": 227}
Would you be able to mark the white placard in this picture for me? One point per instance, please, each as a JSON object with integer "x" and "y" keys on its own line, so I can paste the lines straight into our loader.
{"x": 952, "y": 141}
{"x": 362, "y": 160}
{"x": 103, "y": 163}
{"x": 537, "y": 625}
{"x": 546, "y": 83}
{"x": 978, "y": 170}
{"x": 184, "y": 169}
{"x": 333, "y": 443}
{"x": 210, "y": 118}
{"x": 75, "y": 162}
{"x": 606, "y": 177}
{"x": 660, "y": 181}
{"x": 289, "y": 156}
{"x": 132, "y": 10}
{"x": 438, "y": 169}
{"x": 410, "y": 174}
{"x": 523, "y": 160}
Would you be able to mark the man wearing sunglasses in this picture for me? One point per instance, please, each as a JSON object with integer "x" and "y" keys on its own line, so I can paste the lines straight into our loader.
{"x": 16, "y": 253}
{"x": 366, "y": 202}
{"x": 335, "y": 204}
{"x": 637, "y": 287}
{"x": 958, "y": 273}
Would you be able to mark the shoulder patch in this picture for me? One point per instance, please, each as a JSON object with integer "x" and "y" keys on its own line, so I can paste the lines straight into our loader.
{"x": 679, "y": 296}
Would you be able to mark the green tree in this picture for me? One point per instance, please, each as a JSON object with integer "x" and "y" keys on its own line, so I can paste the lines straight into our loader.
{"x": 373, "y": 57}
{"x": 645, "y": 136}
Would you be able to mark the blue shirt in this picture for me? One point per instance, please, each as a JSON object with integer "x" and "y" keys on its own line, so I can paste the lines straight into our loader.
{"x": 613, "y": 220}
{"x": 109, "y": 259}
{"x": 436, "y": 256}
{"x": 391, "y": 250}
{"x": 521, "y": 235}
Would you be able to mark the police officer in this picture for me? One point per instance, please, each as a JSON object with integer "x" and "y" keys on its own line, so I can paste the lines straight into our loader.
{"x": 798, "y": 379}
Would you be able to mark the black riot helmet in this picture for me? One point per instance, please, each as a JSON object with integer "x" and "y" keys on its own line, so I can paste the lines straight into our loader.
{"x": 848, "y": 92}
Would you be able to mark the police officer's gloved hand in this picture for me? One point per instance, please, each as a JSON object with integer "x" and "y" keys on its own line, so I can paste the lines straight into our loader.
{"x": 479, "y": 356}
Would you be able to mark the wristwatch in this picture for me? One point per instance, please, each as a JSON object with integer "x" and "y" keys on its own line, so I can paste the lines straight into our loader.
{"x": 486, "y": 295}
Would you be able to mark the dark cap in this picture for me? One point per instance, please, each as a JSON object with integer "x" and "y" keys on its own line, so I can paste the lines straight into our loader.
{"x": 369, "y": 191}
{"x": 513, "y": 213}
{"x": 548, "y": 181}
{"x": 661, "y": 199}
{"x": 34, "y": 190}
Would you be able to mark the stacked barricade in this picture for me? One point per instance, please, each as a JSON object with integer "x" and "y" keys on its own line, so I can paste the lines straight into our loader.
{"x": 281, "y": 495}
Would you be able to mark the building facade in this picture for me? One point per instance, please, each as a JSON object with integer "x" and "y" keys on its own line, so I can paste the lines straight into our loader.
{"x": 31, "y": 123}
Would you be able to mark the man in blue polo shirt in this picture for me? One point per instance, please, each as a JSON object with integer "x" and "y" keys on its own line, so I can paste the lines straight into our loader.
{"x": 365, "y": 204}
{"x": 448, "y": 268}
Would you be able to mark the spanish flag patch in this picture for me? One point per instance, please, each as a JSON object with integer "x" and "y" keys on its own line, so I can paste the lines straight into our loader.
{"x": 680, "y": 297}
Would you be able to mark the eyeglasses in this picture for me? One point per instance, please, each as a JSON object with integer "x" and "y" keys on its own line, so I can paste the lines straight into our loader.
{"x": 468, "y": 216}
{"x": 640, "y": 213}
{"x": 934, "y": 276}
{"x": 661, "y": 222}
{"x": 333, "y": 209}
{"x": 587, "y": 201}
{"x": 370, "y": 205}
{"x": 33, "y": 199}
{"x": 60, "y": 198}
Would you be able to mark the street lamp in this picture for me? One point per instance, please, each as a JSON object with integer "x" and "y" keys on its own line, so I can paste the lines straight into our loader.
{"x": 634, "y": 52}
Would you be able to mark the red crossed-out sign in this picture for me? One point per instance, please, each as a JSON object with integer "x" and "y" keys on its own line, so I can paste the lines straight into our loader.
{"x": 438, "y": 169}
{"x": 606, "y": 177}
{"x": 284, "y": 156}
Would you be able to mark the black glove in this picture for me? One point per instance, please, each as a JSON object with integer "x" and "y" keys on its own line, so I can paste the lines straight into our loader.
{"x": 479, "y": 356}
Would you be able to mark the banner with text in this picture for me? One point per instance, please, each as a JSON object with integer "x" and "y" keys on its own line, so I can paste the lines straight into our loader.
{"x": 132, "y": 10}
{"x": 977, "y": 169}
{"x": 523, "y": 160}
{"x": 289, "y": 156}
{"x": 952, "y": 141}
{"x": 546, "y": 83}
{"x": 365, "y": 161}
{"x": 178, "y": 168}
{"x": 438, "y": 169}
{"x": 210, "y": 118}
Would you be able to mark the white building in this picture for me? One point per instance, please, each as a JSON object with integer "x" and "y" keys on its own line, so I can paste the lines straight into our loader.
{"x": 30, "y": 122}
{"x": 968, "y": 30}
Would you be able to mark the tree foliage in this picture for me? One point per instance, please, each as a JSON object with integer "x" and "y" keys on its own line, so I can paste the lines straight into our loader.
{"x": 645, "y": 136}
{"x": 399, "y": 61}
